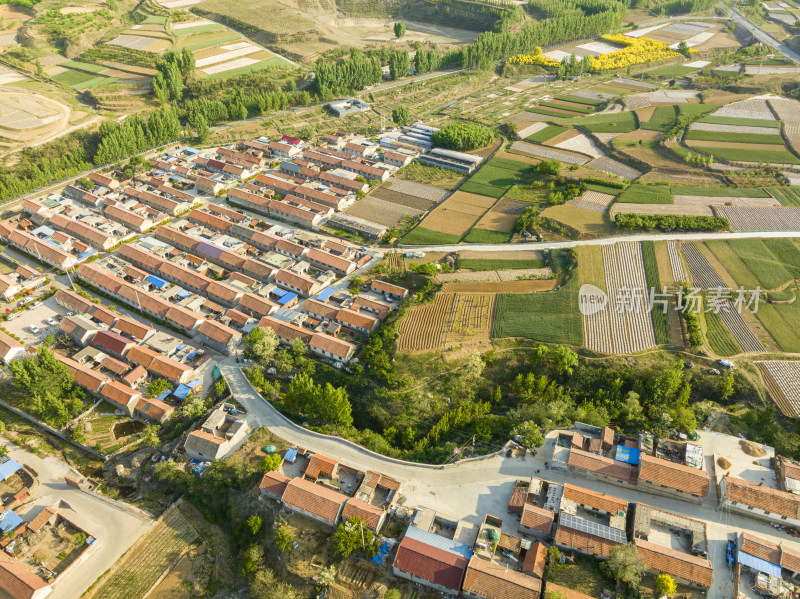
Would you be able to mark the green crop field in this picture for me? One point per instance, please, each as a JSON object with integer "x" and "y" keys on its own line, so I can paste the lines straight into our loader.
{"x": 496, "y": 177}
{"x": 769, "y": 271}
{"x": 578, "y": 100}
{"x": 421, "y": 236}
{"x": 733, "y": 120}
{"x": 199, "y": 29}
{"x": 500, "y": 264}
{"x": 785, "y": 250}
{"x": 646, "y": 194}
{"x": 547, "y": 133}
{"x": 486, "y": 236}
{"x": 206, "y": 43}
{"x": 274, "y": 62}
{"x": 696, "y": 109}
{"x": 72, "y": 78}
{"x": 660, "y": 320}
{"x": 619, "y": 122}
{"x": 549, "y": 316}
{"x": 751, "y": 155}
{"x": 577, "y": 109}
{"x": 83, "y": 66}
{"x": 673, "y": 71}
{"x": 662, "y": 120}
{"x": 603, "y": 188}
{"x": 787, "y": 196}
{"x": 782, "y": 321}
{"x": 733, "y": 263}
{"x": 719, "y": 192}
{"x": 719, "y": 337}
{"x": 745, "y": 138}
{"x": 548, "y": 112}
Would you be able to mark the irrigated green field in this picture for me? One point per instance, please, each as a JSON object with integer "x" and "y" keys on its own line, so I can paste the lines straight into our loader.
{"x": 545, "y": 134}
{"x": 486, "y": 236}
{"x": 719, "y": 337}
{"x": 660, "y": 321}
{"x": 496, "y": 177}
{"x": 619, "y": 122}
{"x": 499, "y": 264}
{"x": 645, "y": 194}
{"x": 421, "y": 236}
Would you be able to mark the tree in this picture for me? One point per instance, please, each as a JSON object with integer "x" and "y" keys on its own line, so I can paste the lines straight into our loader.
{"x": 252, "y": 559}
{"x": 555, "y": 595}
{"x": 187, "y": 62}
{"x": 625, "y": 565}
{"x": 193, "y": 407}
{"x": 297, "y": 348}
{"x": 727, "y": 387}
{"x": 399, "y": 29}
{"x": 401, "y": 115}
{"x": 150, "y": 435}
{"x": 327, "y": 576}
{"x": 284, "y": 540}
{"x": 393, "y": 594}
{"x": 530, "y": 434}
{"x": 3, "y": 451}
{"x": 264, "y": 586}
{"x": 665, "y": 585}
{"x": 261, "y": 344}
{"x": 684, "y": 49}
{"x": 270, "y": 463}
{"x": 203, "y": 131}
{"x": 565, "y": 360}
{"x": 351, "y": 536}
{"x": 463, "y": 136}
{"x": 399, "y": 64}
{"x": 475, "y": 365}
{"x": 254, "y": 523}
{"x": 157, "y": 387}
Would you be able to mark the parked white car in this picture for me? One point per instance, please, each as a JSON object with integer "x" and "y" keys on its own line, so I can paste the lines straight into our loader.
{"x": 34, "y": 329}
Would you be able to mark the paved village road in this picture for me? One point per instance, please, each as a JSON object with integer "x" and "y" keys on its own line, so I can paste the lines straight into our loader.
{"x": 469, "y": 490}
{"x": 115, "y": 525}
{"x": 763, "y": 36}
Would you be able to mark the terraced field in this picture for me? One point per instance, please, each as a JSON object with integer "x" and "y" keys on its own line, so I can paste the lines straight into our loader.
{"x": 783, "y": 381}
{"x": 703, "y": 275}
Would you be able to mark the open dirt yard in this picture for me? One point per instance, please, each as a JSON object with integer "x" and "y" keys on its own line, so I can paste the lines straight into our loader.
{"x": 503, "y": 216}
{"x": 458, "y": 213}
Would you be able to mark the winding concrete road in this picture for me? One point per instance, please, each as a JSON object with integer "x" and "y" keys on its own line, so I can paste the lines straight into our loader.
{"x": 763, "y": 36}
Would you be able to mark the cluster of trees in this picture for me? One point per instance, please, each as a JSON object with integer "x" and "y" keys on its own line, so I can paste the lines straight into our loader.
{"x": 399, "y": 64}
{"x": 325, "y": 403}
{"x": 463, "y": 136}
{"x": 51, "y": 395}
{"x": 171, "y": 71}
{"x": 572, "y": 67}
{"x": 427, "y": 60}
{"x": 401, "y": 115}
{"x": 668, "y": 222}
{"x": 342, "y": 77}
{"x": 682, "y": 7}
{"x": 693, "y": 159}
{"x": 134, "y": 135}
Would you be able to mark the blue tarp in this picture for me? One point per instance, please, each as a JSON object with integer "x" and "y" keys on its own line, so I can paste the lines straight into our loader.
{"x": 182, "y": 391}
{"x": 180, "y": 346}
{"x": 8, "y": 468}
{"x": 278, "y": 292}
{"x": 325, "y": 294}
{"x": 157, "y": 281}
{"x": 629, "y": 455}
{"x": 380, "y": 557}
{"x": 759, "y": 564}
{"x": 194, "y": 383}
{"x": 183, "y": 294}
{"x": 291, "y": 455}
{"x": 9, "y": 520}
{"x": 192, "y": 354}
{"x": 287, "y": 298}
{"x": 164, "y": 395}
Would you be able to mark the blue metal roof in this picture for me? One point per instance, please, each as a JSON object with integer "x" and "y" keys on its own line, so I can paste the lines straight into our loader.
{"x": 291, "y": 455}
{"x": 182, "y": 294}
{"x": 287, "y": 298}
{"x": 9, "y": 520}
{"x": 759, "y": 564}
{"x": 325, "y": 294}
{"x": 449, "y": 545}
{"x": 629, "y": 455}
{"x": 8, "y": 468}
{"x": 182, "y": 391}
{"x": 164, "y": 395}
{"x": 157, "y": 281}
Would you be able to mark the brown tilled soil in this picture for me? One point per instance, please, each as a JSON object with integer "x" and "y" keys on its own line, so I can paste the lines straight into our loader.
{"x": 568, "y": 134}
{"x": 505, "y": 287}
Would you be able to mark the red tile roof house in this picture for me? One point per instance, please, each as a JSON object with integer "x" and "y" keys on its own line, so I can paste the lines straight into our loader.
{"x": 159, "y": 365}
{"x": 318, "y": 502}
{"x": 759, "y": 501}
{"x": 273, "y": 484}
{"x": 432, "y": 561}
{"x": 17, "y": 582}
{"x": 388, "y": 290}
{"x": 219, "y": 337}
{"x": 112, "y": 343}
{"x": 680, "y": 481}
{"x": 153, "y": 409}
{"x": 10, "y": 348}
{"x": 683, "y": 567}
{"x": 373, "y": 516}
{"x": 121, "y": 396}
{"x": 536, "y": 521}
{"x": 488, "y": 580}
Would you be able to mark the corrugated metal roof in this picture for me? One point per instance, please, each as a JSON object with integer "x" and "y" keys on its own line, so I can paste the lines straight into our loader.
{"x": 8, "y": 468}
{"x": 442, "y": 543}
{"x": 759, "y": 564}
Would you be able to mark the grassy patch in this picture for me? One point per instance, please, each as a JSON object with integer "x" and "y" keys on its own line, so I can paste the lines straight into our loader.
{"x": 733, "y": 120}
{"x": 785, "y": 250}
{"x": 82, "y": 66}
{"x": 546, "y": 134}
{"x": 646, "y": 194}
{"x": 787, "y": 196}
{"x": 576, "y": 109}
{"x": 603, "y": 188}
{"x": 769, "y": 271}
{"x": 71, "y": 78}
{"x": 433, "y": 175}
{"x": 486, "y": 236}
{"x": 206, "y": 43}
{"x": 782, "y": 321}
{"x": 199, "y": 29}
{"x": 620, "y": 122}
{"x": 719, "y": 337}
{"x": 584, "y": 576}
{"x": 748, "y": 138}
{"x": 673, "y": 71}
{"x": 719, "y": 192}
{"x": 548, "y": 112}
{"x": 751, "y": 155}
{"x": 663, "y": 119}
{"x": 500, "y": 264}
{"x": 696, "y": 109}
{"x": 550, "y": 316}
{"x": 578, "y": 100}
{"x": 733, "y": 263}
{"x": 660, "y": 320}
{"x": 421, "y": 236}
{"x": 496, "y": 177}
{"x": 274, "y": 62}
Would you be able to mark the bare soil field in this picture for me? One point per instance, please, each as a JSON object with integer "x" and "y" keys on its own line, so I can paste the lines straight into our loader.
{"x": 504, "y": 287}
{"x": 402, "y": 199}
{"x": 699, "y": 210}
{"x": 423, "y": 327}
{"x": 503, "y": 216}
{"x": 493, "y": 275}
{"x": 588, "y": 222}
{"x": 523, "y": 255}
{"x": 471, "y": 319}
{"x": 458, "y": 213}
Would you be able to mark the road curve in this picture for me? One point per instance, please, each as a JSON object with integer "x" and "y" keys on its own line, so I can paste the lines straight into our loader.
{"x": 763, "y": 36}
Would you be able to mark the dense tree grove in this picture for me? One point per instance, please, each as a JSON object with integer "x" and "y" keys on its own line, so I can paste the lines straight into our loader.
{"x": 399, "y": 64}
{"x": 669, "y": 222}
{"x": 427, "y": 60}
{"x": 342, "y": 77}
{"x": 133, "y": 135}
{"x": 463, "y": 136}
